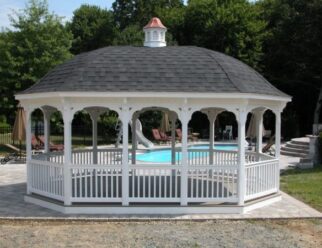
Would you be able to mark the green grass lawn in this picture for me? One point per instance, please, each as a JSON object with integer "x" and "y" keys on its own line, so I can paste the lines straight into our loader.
{"x": 305, "y": 185}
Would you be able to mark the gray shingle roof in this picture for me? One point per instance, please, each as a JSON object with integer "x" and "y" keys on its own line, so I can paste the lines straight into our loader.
{"x": 144, "y": 69}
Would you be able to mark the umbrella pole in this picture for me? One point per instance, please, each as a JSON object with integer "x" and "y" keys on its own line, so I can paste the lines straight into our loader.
{"x": 20, "y": 149}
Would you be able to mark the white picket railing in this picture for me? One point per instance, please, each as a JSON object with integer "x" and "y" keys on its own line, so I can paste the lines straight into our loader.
{"x": 262, "y": 178}
{"x": 92, "y": 183}
{"x": 46, "y": 178}
{"x": 102, "y": 182}
{"x": 110, "y": 156}
{"x": 55, "y": 157}
{"x": 212, "y": 183}
{"x": 82, "y": 156}
{"x": 104, "y": 156}
{"x": 114, "y": 157}
{"x": 154, "y": 183}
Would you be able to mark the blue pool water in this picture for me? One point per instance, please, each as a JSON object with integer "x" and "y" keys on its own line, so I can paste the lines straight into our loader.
{"x": 164, "y": 156}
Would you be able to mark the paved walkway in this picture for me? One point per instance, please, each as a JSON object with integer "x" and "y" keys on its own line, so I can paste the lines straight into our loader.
{"x": 12, "y": 205}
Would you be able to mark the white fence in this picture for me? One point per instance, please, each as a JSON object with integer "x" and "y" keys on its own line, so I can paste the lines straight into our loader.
{"x": 96, "y": 183}
{"x": 262, "y": 178}
{"x": 86, "y": 156}
{"x": 201, "y": 157}
{"x": 206, "y": 183}
{"x": 46, "y": 178}
{"x": 154, "y": 183}
{"x": 200, "y": 181}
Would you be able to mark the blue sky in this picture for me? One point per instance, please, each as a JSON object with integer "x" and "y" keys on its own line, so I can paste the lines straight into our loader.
{"x": 60, "y": 7}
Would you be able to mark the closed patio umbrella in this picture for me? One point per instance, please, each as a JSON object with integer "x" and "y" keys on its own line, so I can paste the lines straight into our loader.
{"x": 165, "y": 125}
{"x": 251, "y": 130}
{"x": 19, "y": 127}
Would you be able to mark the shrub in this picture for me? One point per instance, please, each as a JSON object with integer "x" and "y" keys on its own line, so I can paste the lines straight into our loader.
{"x": 3, "y": 119}
{"x": 4, "y": 125}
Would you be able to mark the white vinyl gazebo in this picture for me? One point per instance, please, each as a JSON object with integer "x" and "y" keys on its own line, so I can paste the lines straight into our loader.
{"x": 130, "y": 80}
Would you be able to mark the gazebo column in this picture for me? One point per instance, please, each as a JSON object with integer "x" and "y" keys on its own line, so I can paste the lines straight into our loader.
{"x": 278, "y": 142}
{"x": 277, "y": 133}
{"x": 94, "y": 117}
{"x": 212, "y": 116}
{"x": 94, "y": 113}
{"x": 259, "y": 129}
{"x": 184, "y": 117}
{"x": 28, "y": 147}
{"x": 241, "y": 118}
{"x": 173, "y": 119}
{"x": 47, "y": 114}
{"x": 134, "y": 140}
{"x": 125, "y": 118}
{"x": 67, "y": 117}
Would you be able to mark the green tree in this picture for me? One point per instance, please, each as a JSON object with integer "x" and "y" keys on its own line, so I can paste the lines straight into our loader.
{"x": 92, "y": 28}
{"x": 174, "y": 20}
{"x": 293, "y": 55}
{"x": 232, "y": 27}
{"x": 131, "y": 35}
{"x": 37, "y": 43}
{"x": 129, "y": 12}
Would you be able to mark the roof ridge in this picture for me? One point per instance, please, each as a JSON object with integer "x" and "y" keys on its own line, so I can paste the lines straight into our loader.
{"x": 214, "y": 58}
{"x": 265, "y": 80}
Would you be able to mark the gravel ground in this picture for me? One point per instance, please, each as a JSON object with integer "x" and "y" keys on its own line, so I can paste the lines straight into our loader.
{"x": 221, "y": 233}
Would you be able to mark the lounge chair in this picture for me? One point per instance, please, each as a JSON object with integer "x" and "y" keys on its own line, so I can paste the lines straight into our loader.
{"x": 52, "y": 147}
{"x": 158, "y": 137}
{"x": 36, "y": 143}
{"x": 164, "y": 136}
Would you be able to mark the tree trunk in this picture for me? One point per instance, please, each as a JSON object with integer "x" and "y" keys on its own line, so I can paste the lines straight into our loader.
{"x": 317, "y": 112}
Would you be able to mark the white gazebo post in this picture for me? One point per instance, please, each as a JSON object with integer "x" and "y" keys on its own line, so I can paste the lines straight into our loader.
{"x": 258, "y": 114}
{"x": 47, "y": 114}
{"x": 94, "y": 113}
{"x": 67, "y": 117}
{"x": 185, "y": 115}
{"x": 134, "y": 141}
{"x": 277, "y": 133}
{"x": 259, "y": 131}
{"x": 28, "y": 147}
{"x": 173, "y": 118}
{"x": 278, "y": 141}
{"x": 212, "y": 116}
{"x": 241, "y": 118}
{"x": 125, "y": 118}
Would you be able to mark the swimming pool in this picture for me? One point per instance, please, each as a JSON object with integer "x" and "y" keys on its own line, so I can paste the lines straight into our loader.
{"x": 164, "y": 155}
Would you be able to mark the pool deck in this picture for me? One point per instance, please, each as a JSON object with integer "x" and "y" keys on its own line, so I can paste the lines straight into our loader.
{"x": 13, "y": 206}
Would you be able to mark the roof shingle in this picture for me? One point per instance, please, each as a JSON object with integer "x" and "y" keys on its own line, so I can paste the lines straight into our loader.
{"x": 163, "y": 69}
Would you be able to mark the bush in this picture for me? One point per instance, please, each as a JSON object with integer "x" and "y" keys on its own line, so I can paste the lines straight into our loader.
{"x": 3, "y": 119}
{"x": 107, "y": 125}
{"x": 4, "y": 125}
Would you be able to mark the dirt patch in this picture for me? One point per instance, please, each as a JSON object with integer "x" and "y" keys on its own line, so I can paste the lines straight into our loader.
{"x": 298, "y": 233}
